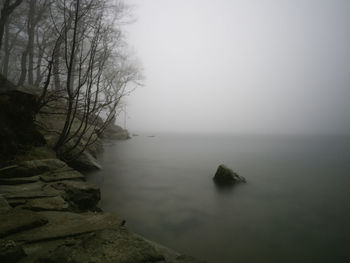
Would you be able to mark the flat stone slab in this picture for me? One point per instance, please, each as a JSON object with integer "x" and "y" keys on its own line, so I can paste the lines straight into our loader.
{"x": 112, "y": 245}
{"x": 29, "y": 195}
{"x": 4, "y": 205}
{"x": 16, "y": 202}
{"x": 28, "y": 191}
{"x": 17, "y": 220}
{"x": 56, "y": 217}
{"x": 19, "y": 180}
{"x": 65, "y": 173}
{"x": 66, "y": 224}
{"x": 56, "y": 203}
{"x": 21, "y": 188}
{"x": 30, "y": 168}
{"x": 6, "y": 172}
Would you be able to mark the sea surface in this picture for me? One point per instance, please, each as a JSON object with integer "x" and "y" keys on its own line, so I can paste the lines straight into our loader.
{"x": 295, "y": 206}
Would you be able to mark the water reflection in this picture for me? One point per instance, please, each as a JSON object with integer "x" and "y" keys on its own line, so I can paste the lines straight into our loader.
{"x": 163, "y": 187}
{"x": 222, "y": 188}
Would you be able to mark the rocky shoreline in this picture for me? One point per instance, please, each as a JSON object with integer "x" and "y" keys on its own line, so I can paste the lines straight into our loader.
{"x": 49, "y": 213}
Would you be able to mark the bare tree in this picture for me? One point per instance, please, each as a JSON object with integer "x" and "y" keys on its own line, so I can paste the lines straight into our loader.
{"x": 13, "y": 43}
{"x": 35, "y": 13}
{"x": 7, "y": 8}
{"x": 74, "y": 52}
{"x": 93, "y": 74}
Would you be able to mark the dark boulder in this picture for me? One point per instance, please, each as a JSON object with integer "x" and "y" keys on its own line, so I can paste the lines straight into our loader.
{"x": 226, "y": 176}
{"x": 17, "y": 130}
{"x": 82, "y": 195}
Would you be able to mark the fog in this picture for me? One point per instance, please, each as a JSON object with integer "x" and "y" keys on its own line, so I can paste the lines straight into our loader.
{"x": 248, "y": 66}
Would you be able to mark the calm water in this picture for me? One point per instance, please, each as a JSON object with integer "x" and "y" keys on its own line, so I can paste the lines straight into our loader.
{"x": 294, "y": 208}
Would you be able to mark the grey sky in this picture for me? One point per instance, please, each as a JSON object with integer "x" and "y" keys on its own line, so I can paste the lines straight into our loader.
{"x": 256, "y": 66}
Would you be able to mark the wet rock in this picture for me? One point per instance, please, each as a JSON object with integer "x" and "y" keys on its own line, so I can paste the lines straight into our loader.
{"x": 107, "y": 246}
{"x": 65, "y": 173}
{"x": 56, "y": 203}
{"x": 225, "y": 175}
{"x": 67, "y": 224}
{"x": 10, "y": 251}
{"x": 84, "y": 195}
{"x": 17, "y": 220}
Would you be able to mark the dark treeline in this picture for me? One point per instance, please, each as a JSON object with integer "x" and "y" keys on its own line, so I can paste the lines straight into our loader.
{"x": 74, "y": 54}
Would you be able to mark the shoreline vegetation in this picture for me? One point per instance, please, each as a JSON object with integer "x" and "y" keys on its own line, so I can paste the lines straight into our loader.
{"x": 49, "y": 213}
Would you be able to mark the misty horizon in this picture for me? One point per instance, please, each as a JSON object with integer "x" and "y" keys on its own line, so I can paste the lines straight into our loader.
{"x": 270, "y": 67}
{"x": 174, "y": 131}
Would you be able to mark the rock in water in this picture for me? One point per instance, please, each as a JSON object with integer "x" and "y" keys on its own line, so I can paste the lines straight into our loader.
{"x": 225, "y": 175}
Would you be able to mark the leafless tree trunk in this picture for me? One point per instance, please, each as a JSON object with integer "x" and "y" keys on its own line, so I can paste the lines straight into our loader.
{"x": 74, "y": 53}
{"x": 5, "y": 64}
{"x": 69, "y": 90}
{"x": 6, "y": 11}
{"x": 34, "y": 15}
{"x": 56, "y": 65}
